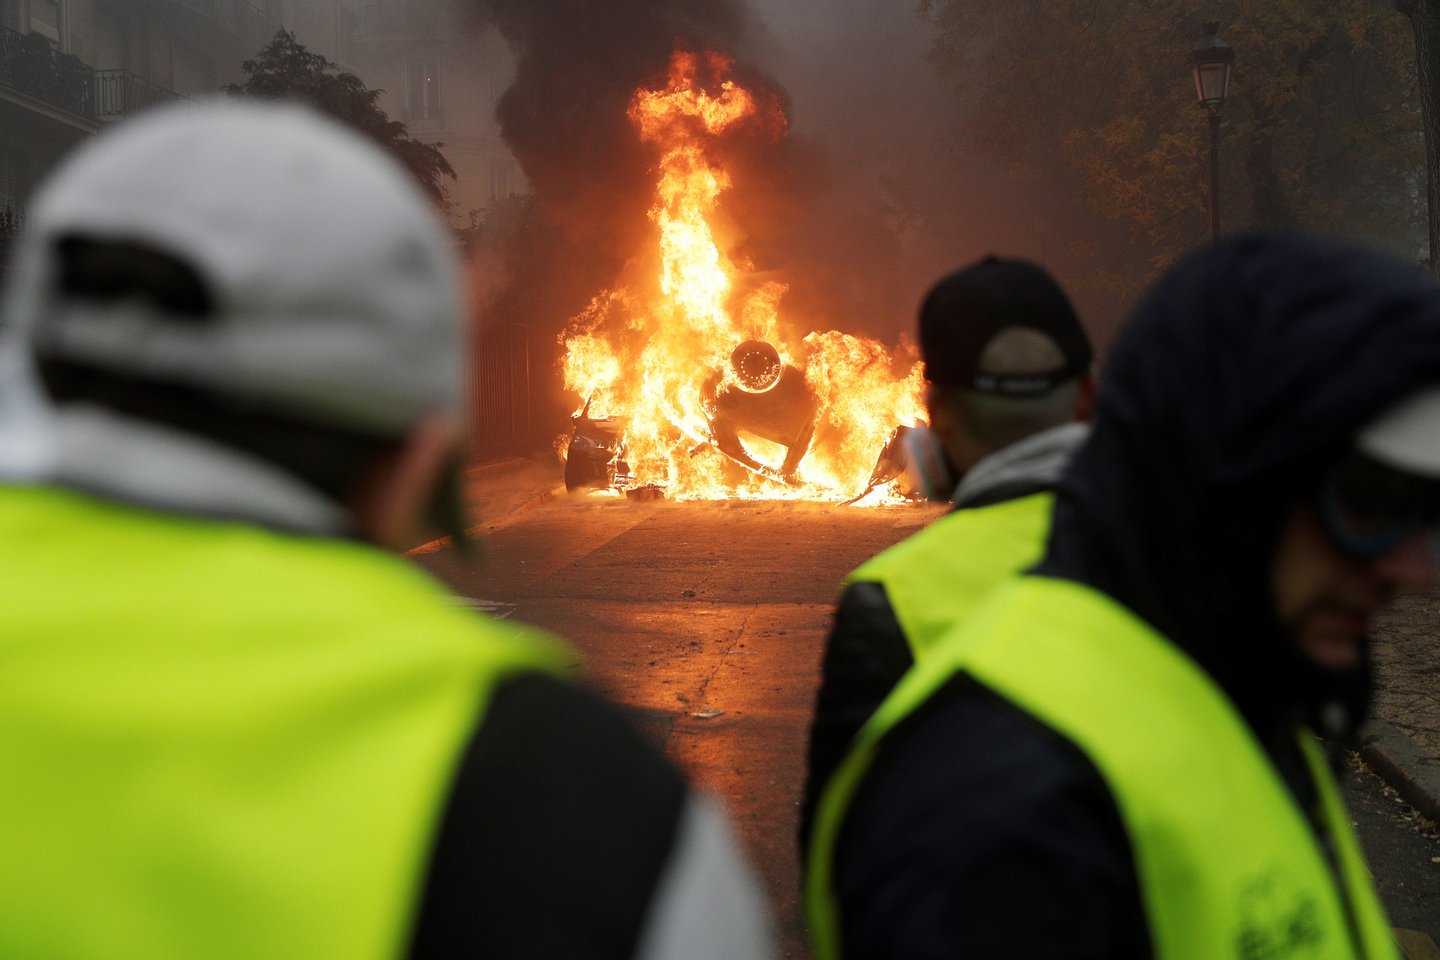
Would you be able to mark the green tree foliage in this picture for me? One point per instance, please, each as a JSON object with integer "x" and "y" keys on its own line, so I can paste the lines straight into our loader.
{"x": 285, "y": 68}
{"x": 1321, "y": 129}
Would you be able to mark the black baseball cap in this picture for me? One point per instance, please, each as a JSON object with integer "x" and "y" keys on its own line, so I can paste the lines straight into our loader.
{"x": 966, "y": 311}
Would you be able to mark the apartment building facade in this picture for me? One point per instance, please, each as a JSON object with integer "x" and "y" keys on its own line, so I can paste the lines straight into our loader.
{"x": 69, "y": 66}
{"x": 442, "y": 74}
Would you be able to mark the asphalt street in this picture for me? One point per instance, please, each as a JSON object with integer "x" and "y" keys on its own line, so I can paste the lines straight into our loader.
{"x": 706, "y": 620}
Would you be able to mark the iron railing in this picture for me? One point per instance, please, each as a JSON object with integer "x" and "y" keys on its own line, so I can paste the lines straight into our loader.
{"x": 501, "y": 402}
{"x": 119, "y": 93}
{"x": 239, "y": 15}
{"x": 30, "y": 65}
{"x": 10, "y": 224}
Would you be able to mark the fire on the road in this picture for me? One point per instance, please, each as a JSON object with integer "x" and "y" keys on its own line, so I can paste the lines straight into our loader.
{"x": 644, "y": 350}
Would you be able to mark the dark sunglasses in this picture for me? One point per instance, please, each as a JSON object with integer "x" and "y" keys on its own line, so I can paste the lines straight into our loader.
{"x": 1369, "y": 508}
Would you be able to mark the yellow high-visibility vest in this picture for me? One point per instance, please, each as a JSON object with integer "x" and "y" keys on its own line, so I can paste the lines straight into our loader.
{"x": 1228, "y": 864}
{"x": 222, "y": 741}
{"x": 936, "y": 577}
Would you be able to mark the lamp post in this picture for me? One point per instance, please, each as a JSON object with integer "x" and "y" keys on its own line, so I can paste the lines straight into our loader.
{"x": 1210, "y": 62}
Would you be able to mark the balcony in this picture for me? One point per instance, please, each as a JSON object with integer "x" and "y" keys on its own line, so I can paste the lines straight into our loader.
{"x": 10, "y": 224}
{"x": 30, "y": 65}
{"x": 244, "y": 16}
{"x": 119, "y": 93}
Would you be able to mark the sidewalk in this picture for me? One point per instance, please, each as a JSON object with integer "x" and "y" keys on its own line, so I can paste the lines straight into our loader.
{"x": 1403, "y": 739}
{"x": 498, "y": 490}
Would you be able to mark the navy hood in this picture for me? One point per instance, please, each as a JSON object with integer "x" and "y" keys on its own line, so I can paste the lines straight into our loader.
{"x": 1244, "y": 372}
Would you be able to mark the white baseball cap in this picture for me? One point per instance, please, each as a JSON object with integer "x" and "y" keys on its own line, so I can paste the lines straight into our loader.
{"x": 335, "y": 286}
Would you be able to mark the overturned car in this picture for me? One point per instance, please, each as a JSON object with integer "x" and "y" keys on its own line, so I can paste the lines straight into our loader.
{"x": 595, "y": 453}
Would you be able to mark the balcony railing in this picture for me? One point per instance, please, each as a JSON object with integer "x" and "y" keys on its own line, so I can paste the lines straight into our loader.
{"x": 10, "y": 224}
{"x": 119, "y": 93}
{"x": 240, "y": 15}
{"x": 29, "y": 64}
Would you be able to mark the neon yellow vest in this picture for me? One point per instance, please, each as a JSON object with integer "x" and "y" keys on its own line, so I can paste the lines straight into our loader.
{"x": 221, "y": 741}
{"x": 1227, "y": 862}
{"x": 935, "y": 578}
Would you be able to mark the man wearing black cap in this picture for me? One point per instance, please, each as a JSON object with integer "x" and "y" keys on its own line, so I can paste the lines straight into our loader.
{"x": 1008, "y": 370}
{"x": 1116, "y": 754}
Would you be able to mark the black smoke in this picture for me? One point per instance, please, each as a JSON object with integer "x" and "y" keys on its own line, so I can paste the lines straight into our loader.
{"x": 578, "y": 66}
{"x": 870, "y": 197}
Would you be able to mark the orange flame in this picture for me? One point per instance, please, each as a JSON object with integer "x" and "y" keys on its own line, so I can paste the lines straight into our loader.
{"x": 648, "y": 357}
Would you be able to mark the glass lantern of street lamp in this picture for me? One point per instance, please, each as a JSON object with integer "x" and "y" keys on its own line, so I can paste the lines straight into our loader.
{"x": 1210, "y": 61}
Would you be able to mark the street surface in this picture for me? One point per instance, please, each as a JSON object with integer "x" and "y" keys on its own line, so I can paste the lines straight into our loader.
{"x": 707, "y": 620}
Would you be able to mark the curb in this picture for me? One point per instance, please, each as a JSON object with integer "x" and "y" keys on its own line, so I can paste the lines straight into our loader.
{"x": 529, "y": 503}
{"x": 1401, "y": 763}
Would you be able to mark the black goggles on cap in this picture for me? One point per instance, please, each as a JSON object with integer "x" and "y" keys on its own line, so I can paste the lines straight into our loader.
{"x": 1369, "y": 508}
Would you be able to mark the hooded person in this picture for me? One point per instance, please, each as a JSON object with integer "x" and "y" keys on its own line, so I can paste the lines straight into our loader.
{"x": 1116, "y": 755}
{"x": 234, "y": 722}
{"x": 1008, "y": 386}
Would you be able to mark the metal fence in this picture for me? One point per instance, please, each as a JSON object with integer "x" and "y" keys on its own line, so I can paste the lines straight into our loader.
{"x": 502, "y": 402}
{"x": 119, "y": 93}
{"x": 10, "y": 224}
{"x": 29, "y": 64}
{"x": 240, "y": 15}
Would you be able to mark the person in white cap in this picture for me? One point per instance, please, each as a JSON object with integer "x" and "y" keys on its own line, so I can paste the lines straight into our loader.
{"x": 234, "y": 723}
{"x": 1116, "y": 755}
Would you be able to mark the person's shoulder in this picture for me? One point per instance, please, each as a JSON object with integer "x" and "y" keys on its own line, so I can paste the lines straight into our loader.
{"x": 965, "y": 756}
{"x": 536, "y": 719}
{"x": 987, "y": 809}
{"x": 914, "y": 549}
{"x": 561, "y": 809}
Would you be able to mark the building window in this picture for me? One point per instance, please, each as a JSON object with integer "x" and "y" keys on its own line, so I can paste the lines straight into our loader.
{"x": 424, "y": 89}
{"x": 10, "y": 15}
{"x": 45, "y": 19}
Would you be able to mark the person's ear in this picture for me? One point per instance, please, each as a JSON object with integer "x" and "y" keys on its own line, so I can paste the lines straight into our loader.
{"x": 390, "y": 504}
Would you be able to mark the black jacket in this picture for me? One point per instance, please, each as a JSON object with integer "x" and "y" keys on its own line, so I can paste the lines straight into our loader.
{"x": 981, "y": 832}
{"x": 867, "y": 651}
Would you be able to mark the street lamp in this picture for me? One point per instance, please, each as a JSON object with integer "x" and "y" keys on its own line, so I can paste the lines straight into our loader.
{"x": 1210, "y": 63}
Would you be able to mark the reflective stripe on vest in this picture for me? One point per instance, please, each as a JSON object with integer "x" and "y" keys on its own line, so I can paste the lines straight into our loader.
{"x": 934, "y": 578}
{"x": 1228, "y": 864}
{"x": 222, "y": 741}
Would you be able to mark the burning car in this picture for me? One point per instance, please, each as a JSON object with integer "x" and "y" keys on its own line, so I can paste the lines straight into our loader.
{"x": 763, "y": 397}
{"x": 694, "y": 383}
{"x": 595, "y": 453}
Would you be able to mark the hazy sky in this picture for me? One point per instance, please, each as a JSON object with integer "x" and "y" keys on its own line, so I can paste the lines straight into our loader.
{"x": 863, "y": 89}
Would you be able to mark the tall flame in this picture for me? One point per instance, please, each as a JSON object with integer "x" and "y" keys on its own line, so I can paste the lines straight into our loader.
{"x": 645, "y": 355}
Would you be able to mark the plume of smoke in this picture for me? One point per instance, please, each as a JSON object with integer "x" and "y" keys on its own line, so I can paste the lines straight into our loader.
{"x": 578, "y": 64}
{"x": 578, "y": 67}
{"x": 867, "y": 202}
